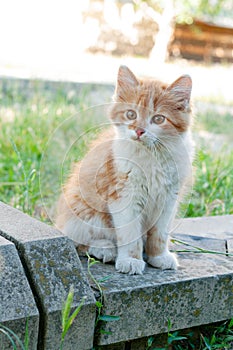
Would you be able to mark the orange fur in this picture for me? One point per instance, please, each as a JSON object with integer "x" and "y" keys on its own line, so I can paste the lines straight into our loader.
{"x": 114, "y": 196}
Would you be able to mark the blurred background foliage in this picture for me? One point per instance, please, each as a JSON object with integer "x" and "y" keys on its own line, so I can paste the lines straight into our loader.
{"x": 45, "y": 124}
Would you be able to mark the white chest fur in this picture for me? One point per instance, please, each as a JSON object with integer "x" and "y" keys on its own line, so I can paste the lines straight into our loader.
{"x": 153, "y": 179}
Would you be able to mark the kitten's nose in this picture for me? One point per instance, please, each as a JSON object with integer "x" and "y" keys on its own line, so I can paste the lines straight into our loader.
{"x": 140, "y": 131}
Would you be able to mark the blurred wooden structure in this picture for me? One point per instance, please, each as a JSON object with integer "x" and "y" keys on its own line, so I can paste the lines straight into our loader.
{"x": 122, "y": 30}
{"x": 202, "y": 41}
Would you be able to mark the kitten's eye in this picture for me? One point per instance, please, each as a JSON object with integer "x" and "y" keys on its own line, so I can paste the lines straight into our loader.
{"x": 130, "y": 114}
{"x": 158, "y": 119}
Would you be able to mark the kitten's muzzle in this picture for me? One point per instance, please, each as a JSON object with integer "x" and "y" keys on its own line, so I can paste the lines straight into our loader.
{"x": 140, "y": 132}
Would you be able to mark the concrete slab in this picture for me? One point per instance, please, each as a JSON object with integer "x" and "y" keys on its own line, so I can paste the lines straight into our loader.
{"x": 17, "y": 304}
{"x": 198, "y": 241}
{"x": 208, "y": 226}
{"x": 52, "y": 266}
{"x": 230, "y": 245}
{"x": 199, "y": 292}
{"x": 211, "y": 233}
{"x": 21, "y": 228}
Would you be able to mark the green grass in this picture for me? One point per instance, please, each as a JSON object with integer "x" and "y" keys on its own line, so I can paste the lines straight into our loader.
{"x": 209, "y": 337}
{"x": 214, "y": 118}
{"x": 39, "y": 119}
{"x": 67, "y": 318}
{"x": 13, "y": 339}
{"x": 212, "y": 192}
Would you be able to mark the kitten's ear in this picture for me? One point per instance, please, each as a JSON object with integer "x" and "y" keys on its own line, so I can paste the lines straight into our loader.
{"x": 126, "y": 77}
{"x": 126, "y": 82}
{"x": 181, "y": 89}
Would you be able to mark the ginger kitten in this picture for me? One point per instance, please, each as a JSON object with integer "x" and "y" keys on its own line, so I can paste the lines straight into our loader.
{"x": 121, "y": 198}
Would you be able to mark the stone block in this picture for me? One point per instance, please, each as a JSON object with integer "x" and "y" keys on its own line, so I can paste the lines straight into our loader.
{"x": 210, "y": 233}
{"x": 199, "y": 292}
{"x": 209, "y": 226}
{"x": 52, "y": 266}
{"x": 18, "y": 309}
{"x": 230, "y": 245}
{"x": 202, "y": 242}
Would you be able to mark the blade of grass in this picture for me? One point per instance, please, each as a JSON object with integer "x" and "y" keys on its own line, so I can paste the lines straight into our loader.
{"x": 67, "y": 307}
{"x": 90, "y": 263}
{"x": 10, "y": 332}
{"x": 230, "y": 324}
{"x": 197, "y": 249}
{"x": 9, "y": 337}
{"x": 72, "y": 318}
{"x": 68, "y": 319}
{"x": 104, "y": 279}
{"x": 24, "y": 175}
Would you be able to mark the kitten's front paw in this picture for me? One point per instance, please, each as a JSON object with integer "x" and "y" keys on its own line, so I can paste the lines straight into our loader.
{"x": 165, "y": 261}
{"x": 106, "y": 255}
{"x": 130, "y": 265}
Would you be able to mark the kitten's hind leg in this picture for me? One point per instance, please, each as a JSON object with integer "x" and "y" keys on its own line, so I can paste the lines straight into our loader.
{"x": 103, "y": 249}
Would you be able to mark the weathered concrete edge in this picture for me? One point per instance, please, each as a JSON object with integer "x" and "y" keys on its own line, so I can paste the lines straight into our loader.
{"x": 52, "y": 265}
{"x": 40, "y": 238}
{"x": 163, "y": 303}
{"x": 205, "y": 226}
{"x": 18, "y": 309}
{"x": 199, "y": 292}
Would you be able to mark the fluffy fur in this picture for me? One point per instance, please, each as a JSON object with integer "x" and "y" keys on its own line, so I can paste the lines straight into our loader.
{"x": 121, "y": 198}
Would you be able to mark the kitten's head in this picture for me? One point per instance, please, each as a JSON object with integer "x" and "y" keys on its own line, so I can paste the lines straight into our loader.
{"x": 149, "y": 111}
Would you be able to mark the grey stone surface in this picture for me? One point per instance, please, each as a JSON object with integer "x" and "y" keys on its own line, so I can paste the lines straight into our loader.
{"x": 210, "y": 226}
{"x": 230, "y": 245}
{"x": 17, "y": 304}
{"x": 199, "y": 292}
{"x": 211, "y": 233}
{"x": 53, "y": 266}
{"x": 202, "y": 242}
{"x": 22, "y": 228}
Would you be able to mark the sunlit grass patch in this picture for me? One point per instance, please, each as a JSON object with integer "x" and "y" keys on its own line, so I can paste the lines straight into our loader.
{"x": 30, "y": 112}
{"x": 33, "y": 114}
{"x": 212, "y": 191}
{"x": 214, "y": 119}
